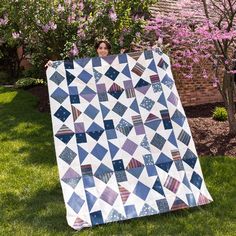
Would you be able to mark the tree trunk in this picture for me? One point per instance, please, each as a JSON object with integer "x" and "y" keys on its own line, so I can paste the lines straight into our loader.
{"x": 229, "y": 95}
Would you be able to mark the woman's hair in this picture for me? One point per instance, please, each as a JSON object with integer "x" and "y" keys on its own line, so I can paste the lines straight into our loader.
{"x": 97, "y": 44}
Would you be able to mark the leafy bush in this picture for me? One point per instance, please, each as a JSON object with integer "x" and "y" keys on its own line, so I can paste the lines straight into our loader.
{"x": 65, "y": 28}
{"x": 28, "y": 82}
{"x": 30, "y": 72}
{"x": 220, "y": 114}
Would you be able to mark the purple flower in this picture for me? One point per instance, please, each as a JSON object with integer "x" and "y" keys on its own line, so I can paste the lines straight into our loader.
{"x": 138, "y": 34}
{"x": 52, "y": 25}
{"x": 81, "y": 6}
{"x": 80, "y": 33}
{"x": 67, "y": 2}
{"x": 71, "y": 19}
{"x": 74, "y": 50}
{"x": 215, "y": 82}
{"x": 4, "y": 21}
{"x": 112, "y": 15}
{"x": 16, "y": 35}
{"x": 60, "y": 8}
{"x": 46, "y": 28}
{"x": 73, "y": 6}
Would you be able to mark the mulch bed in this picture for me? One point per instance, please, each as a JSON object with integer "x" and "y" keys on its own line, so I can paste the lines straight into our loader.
{"x": 211, "y": 137}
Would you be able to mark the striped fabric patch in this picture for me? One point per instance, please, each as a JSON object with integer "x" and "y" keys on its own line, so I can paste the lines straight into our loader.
{"x": 134, "y": 164}
{"x": 172, "y": 184}
{"x": 129, "y": 89}
{"x": 138, "y": 69}
{"x": 124, "y": 193}
{"x": 86, "y": 170}
{"x": 184, "y": 137}
{"x": 154, "y": 79}
{"x": 137, "y": 120}
{"x": 202, "y": 200}
{"x": 178, "y": 204}
{"x": 175, "y": 154}
{"x": 76, "y": 113}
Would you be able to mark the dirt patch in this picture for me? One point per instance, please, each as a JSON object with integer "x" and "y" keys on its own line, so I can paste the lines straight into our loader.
{"x": 210, "y": 136}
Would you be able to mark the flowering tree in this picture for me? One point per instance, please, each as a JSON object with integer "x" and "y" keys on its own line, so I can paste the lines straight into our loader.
{"x": 68, "y": 28}
{"x": 211, "y": 36}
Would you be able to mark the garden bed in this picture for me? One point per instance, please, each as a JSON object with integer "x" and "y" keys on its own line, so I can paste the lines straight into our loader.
{"x": 210, "y": 136}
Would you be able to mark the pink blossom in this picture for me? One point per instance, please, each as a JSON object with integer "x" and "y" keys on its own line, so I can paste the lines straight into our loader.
{"x": 74, "y": 50}
{"x": 204, "y": 74}
{"x": 67, "y": 2}
{"x": 49, "y": 26}
{"x": 112, "y": 15}
{"x": 80, "y": 33}
{"x": 60, "y": 8}
{"x": 16, "y": 35}
{"x": 126, "y": 31}
{"x": 71, "y": 19}
{"x": 81, "y": 5}
{"x": 46, "y": 28}
{"x": 188, "y": 76}
{"x": 4, "y": 21}
{"x": 215, "y": 82}
{"x": 73, "y": 6}
{"x": 177, "y": 65}
{"x": 52, "y": 25}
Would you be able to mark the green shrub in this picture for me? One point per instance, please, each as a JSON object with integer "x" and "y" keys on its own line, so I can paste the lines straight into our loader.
{"x": 30, "y": 72}
{"x": 220, "y": 114}
{"x": 28, "y": 82}
{"x": 55, "y": 29}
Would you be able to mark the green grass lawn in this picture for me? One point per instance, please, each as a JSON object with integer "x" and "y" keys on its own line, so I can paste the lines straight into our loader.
{"x": 31, "y": 201}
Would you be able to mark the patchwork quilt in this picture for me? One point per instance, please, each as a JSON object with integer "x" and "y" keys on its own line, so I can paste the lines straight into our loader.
{"x": 123, "y": 144}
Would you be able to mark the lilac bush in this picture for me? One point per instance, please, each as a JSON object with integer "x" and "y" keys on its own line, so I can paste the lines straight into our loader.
{"x": 68, "y": 28}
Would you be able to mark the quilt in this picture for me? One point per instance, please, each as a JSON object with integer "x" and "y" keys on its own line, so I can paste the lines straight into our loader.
{"x": 123, "y": 145}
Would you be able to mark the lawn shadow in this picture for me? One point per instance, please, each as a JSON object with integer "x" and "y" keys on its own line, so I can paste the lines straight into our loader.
{"x": 21, "y": 122}
{"x": 44, "y": 210}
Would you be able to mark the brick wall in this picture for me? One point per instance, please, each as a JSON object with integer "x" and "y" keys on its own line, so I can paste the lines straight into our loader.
{"x": 24, "y": 63}
{"x": 196, "y": 91}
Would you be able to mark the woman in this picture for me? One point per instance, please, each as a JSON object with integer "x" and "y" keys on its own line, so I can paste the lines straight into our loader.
{"x": 103, "y": 49}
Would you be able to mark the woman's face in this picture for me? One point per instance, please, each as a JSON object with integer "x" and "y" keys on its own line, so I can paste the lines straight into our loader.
{"x": 102, "y": 50}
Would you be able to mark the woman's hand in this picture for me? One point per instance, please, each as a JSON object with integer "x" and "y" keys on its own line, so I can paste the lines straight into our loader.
{"x": 49, "y": 63}
{"x": 122, "y": 50}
